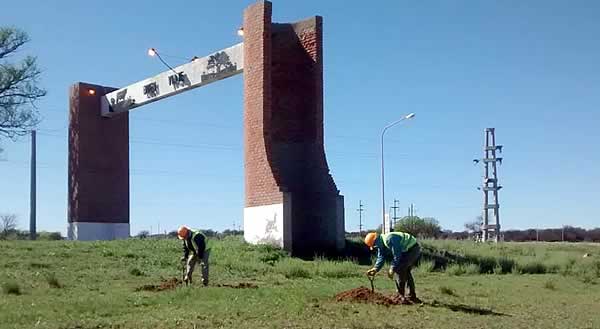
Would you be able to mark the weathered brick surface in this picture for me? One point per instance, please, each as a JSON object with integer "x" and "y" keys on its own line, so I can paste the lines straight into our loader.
{"x": 98, "y": 160}
{"x": 283, "y": 92}
{"x": 261, "y": 185}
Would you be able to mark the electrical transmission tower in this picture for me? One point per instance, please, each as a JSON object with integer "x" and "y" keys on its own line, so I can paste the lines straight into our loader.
{"x": 490, "y": 184}
{"x": 360, "y": 211}
{"x": 395, "y": 207}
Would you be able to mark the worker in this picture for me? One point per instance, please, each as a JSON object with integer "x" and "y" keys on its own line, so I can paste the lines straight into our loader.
{"x": 405, "y": 252}
{"x": 194, "y": 251}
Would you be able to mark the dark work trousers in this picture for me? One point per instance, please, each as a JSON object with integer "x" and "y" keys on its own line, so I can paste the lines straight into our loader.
{"x": 403, "y": 271}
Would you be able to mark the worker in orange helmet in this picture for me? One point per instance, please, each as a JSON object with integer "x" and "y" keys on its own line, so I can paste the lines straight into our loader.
{"x": 194, "y": 251}
{"x": 405, "y": 253}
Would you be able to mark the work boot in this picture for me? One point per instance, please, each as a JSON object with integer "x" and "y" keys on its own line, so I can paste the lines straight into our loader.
{"x": 415, "y": 299}
{"x": 404, "y": 300}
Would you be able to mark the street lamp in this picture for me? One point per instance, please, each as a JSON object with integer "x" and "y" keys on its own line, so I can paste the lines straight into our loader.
{"x": 406, "y": 117}
{"x": 153, "y": 52}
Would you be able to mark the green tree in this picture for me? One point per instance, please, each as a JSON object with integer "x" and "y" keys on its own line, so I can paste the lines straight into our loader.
{"x": 420, "y": 227}
{"x": 19, "y": 88}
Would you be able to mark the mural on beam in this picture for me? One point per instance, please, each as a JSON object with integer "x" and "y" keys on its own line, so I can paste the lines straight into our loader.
{"x": 198, "y": 72}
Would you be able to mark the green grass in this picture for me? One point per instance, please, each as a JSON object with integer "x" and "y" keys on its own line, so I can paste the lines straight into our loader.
{"x": 11, "y": 288}
{"x": 64, "y": 284}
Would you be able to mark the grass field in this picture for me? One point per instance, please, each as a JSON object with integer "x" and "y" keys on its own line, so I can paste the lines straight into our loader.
{"x": 63, "y": 284}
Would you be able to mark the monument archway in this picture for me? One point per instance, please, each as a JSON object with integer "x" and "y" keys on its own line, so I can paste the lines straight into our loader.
{"x": 291, "y": 199}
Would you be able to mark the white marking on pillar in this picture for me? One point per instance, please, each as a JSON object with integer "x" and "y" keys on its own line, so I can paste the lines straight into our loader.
{"x": 88, "y": 231}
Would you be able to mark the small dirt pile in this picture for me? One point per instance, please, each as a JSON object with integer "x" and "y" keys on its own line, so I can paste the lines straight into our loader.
{"x": 241, "y": 285}
{"x": 365, "y": 295}
{"x": 168, "y": 284}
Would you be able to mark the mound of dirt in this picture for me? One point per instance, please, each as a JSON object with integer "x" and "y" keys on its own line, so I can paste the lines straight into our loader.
{"x": 241, "y": 285}
{"x": 168, "y": 284}
{"x": 365, "y": 295}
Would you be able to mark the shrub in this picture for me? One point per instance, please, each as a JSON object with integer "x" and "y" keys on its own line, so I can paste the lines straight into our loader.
{"x": 472, "y": 269}
{"x": 455, "y": 269}
{"x": 53, "y": 281}
{"x": 11, "y": 288}
{"x": 426, "y": 266}
{"x": 533, "y": 267}
{"x": 549, "y": 285}
{"x": 447, "y": 291}
{"x": 136, "y": 272}
{"x": 506, "y": 265}
{"x": 271, "y": 255}
{"x": 486, "y": 265}
{"x": 293, "y": 269}
{"x": 39, "y": 265}
{"x": 498, "y": 269}
{"x": 338, "y": 270}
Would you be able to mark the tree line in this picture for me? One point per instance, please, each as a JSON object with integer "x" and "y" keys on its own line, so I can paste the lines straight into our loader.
{"x": 429, "y": 228}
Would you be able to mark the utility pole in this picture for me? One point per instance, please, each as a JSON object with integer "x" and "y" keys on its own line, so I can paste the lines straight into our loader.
{"x": 395, "y": 207}
{"x": 490, "y": 184}
{"x": 32, "y": 193}
{"x": 411, "y": 210}
{"x": 360, "y": 211}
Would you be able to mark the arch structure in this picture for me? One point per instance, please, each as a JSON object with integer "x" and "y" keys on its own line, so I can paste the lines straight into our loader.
{"x": 291, "y": 199}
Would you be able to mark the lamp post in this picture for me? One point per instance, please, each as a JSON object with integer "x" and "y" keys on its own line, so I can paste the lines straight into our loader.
{"x": 152, "y": 52}
{"x": 406, "y": 117}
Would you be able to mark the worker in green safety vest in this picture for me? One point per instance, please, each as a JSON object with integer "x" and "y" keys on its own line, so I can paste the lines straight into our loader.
{"x": 405, "y": 253}
{"x": 194, "y": 251}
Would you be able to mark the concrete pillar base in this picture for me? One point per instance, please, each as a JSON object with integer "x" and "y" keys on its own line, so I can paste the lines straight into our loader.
{"x": 87, "y": 231}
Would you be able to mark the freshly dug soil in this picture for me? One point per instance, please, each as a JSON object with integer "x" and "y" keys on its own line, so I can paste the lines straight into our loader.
{"x": 365, "y": 295}
{"x": 168, "y": 284}
{"x": 241, "y": 285}
{"x": 173, "y": 283}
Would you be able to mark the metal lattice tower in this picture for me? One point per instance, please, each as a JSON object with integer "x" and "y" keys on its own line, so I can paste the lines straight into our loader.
{"x": 490, "y": 184}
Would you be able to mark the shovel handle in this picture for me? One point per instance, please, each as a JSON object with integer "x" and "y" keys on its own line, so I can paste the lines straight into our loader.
{"x": 372, "y": 278}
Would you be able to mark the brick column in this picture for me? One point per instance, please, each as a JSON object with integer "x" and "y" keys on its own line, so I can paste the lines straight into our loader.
{"x": 291, "y": 199}
{"x": 98, "y": 168}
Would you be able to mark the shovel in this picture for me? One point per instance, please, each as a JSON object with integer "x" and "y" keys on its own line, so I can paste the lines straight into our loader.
{"x": 183, "y": 272}
{"x": 371, "y": 279}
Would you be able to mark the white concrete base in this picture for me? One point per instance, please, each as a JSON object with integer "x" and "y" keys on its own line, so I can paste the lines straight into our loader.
{"x": 87, "y": 231}
{"x": 269, "y": 224}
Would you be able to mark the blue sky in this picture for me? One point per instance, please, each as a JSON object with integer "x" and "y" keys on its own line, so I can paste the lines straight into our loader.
{"x": 529, "y": 69}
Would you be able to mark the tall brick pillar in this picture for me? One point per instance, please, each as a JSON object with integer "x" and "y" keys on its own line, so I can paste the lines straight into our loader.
{"x": 291, "y": 199}
{"x": 98, "y": 168}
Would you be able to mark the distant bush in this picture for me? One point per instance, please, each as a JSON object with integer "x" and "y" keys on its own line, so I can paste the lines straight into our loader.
{"x": 51, "y": 236}
{"x": 419, "y": 227}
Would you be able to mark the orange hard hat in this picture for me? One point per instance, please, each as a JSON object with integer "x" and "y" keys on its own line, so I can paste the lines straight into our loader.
{"x": 182, "y": 232}
{"x": 370, "y": 239}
